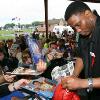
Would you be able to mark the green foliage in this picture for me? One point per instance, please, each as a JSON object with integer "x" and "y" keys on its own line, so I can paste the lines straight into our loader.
{"x": 36, "y": 23}
{"x": 9, "y": 25}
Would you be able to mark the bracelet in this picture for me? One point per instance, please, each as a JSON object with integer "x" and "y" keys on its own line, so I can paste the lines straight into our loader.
{"x": 90, "y": 85}
{"x": 13, "y": 87}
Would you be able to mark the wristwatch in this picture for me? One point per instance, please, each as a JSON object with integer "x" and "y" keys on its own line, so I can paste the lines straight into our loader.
{"x": 90, "y": 85}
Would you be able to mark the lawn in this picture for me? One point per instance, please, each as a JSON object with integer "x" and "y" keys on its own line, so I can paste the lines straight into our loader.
{"x": 10, "y": 34}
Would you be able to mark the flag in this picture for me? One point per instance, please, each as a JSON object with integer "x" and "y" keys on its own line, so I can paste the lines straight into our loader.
{"x": 16, "y": 18}
{"x": 13, "y": 19}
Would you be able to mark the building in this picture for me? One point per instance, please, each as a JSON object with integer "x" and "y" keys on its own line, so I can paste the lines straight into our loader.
{"x": 51, "y": 24}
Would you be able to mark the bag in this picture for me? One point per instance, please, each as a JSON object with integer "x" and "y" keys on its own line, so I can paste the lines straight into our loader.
{"x": 64, "y": 94}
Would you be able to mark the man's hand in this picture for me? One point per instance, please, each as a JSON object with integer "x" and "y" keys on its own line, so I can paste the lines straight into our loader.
{"x": 73, "y": 83}
{"x": 20, "y": 83}
{"x": 9, "y": 78}
{"x": 41, "y": 66}
{"x": 17, "y": 85}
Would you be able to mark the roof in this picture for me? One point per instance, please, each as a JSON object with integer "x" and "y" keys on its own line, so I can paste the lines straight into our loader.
{"x": 54, "y": 21}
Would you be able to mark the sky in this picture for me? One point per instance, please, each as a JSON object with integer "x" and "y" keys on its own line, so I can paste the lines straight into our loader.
{"x": 33, "y": 10}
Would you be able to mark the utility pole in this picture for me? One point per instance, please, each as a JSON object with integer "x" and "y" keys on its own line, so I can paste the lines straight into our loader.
{"x": 46, "y": 16}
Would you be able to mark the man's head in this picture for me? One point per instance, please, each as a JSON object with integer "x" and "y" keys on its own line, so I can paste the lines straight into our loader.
{"x": 80, "y": 17}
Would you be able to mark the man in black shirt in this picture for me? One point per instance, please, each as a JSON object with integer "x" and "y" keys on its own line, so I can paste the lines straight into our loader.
{"x": 80, "y": 17}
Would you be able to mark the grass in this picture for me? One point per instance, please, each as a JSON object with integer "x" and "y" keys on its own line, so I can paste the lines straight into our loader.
{"x": 9, "y": 34}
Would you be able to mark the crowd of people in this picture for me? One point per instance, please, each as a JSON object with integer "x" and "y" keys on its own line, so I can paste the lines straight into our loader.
{"x": 15, "y": 53}
{"x": 57, "y": 51}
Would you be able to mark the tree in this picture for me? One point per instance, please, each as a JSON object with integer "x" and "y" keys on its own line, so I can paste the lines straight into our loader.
{"x": 36, "y": 23}
{"x": 9, "y": 25}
